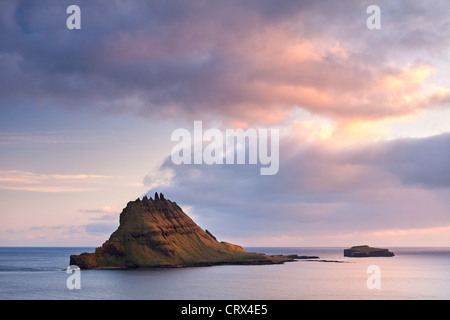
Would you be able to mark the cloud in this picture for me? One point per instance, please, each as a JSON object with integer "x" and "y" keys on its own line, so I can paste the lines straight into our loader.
{"x": 414, "y": 161}
{"x": 158, "y": 177}
{"x": 248, "y": 63}
{"x": 53, "y": 183}
{"x": 318, "y": 190}
{"x": 89, "y": 234}
{"x": 48, "y": 189}
{"x": 104, "y": 209}
{"x": 408, "y": 232}
{"x": 105, "y": 213}
{"x": 42, "y": 233}
{"x": 244, "y": 62}
{"x": 100, "y": 228}
{"x": 12, "y": 138}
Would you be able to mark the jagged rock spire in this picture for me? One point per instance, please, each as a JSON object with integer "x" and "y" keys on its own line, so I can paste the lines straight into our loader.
{"x": 161, "y": 235}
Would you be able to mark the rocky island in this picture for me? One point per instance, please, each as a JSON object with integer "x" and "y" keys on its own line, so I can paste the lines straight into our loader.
{"x": 366, "y": 251}
{"x": 157, "y": 233}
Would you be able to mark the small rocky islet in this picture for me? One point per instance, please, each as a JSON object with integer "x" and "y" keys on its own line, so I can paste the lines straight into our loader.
{"x": 366, "y": 251}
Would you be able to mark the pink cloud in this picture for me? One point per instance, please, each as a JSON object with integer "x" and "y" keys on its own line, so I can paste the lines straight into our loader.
{"x": 53, "y": 183}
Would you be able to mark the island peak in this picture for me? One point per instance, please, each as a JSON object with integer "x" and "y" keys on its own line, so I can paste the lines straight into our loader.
{"x": 157, "y": 233}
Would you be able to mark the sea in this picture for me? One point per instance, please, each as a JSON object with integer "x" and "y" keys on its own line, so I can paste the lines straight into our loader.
{"x": 43, "y": 273}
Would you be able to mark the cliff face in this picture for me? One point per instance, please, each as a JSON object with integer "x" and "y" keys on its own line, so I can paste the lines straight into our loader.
{"x": 366, "y": 251}
{"x": 157, "y": 233}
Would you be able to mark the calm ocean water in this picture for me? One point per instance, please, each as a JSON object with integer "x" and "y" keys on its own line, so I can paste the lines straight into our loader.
{"x": 414, "y": 273}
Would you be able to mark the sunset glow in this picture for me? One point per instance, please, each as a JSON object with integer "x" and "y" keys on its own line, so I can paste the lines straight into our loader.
{"x": 86, "y": 118}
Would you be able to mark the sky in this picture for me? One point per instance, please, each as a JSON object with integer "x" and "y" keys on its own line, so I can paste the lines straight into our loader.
{"x": 86, "y": 118}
